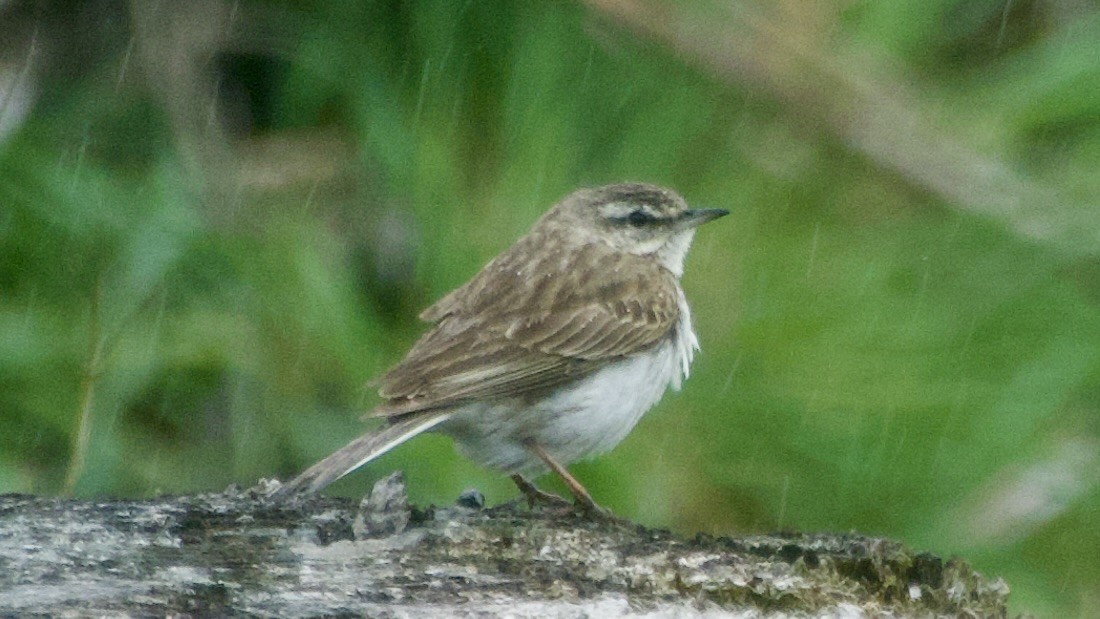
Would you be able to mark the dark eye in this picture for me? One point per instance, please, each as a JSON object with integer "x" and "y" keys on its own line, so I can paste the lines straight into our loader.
{"x": 638, "y": 218}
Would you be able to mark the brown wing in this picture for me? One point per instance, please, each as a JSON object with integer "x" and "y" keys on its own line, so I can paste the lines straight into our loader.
{"x": 531, "y": 320}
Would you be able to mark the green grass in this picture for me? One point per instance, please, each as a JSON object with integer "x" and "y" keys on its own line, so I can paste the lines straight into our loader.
{"x": 189, "y": 303}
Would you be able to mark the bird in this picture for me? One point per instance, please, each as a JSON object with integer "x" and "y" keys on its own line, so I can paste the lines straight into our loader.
{"x": 553, "y": 351}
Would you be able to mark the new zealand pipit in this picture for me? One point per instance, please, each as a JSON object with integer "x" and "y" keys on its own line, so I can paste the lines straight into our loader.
{"x": 554, "y": 350}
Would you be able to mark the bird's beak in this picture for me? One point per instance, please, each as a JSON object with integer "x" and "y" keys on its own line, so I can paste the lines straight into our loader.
{"x": 698, "y": 216}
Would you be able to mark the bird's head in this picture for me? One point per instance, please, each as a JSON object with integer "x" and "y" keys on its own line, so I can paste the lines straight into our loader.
{"x": 637, "y": 218}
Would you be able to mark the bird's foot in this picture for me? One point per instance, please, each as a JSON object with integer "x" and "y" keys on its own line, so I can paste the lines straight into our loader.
{"x": 537, "y": 497}
{"x": 583, "y": 504}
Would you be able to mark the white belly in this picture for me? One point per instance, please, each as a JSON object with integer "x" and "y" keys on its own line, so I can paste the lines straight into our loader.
{"x": 575, "y": 422}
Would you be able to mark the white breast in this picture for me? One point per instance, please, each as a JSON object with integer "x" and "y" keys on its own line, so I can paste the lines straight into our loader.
{"x": 582, "y": 420}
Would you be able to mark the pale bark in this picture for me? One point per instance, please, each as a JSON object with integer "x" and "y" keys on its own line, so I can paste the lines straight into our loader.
{"x": 237, "y": 554}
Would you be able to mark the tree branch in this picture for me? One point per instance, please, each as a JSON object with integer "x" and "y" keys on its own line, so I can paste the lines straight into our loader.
{"x": 236, "y": 553}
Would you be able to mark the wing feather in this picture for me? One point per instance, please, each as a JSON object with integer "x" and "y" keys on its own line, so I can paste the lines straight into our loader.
{"x": 506, "y": 333}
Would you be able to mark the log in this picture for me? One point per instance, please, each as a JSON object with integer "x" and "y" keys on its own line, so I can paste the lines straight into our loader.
{"x": 238, "y": 553}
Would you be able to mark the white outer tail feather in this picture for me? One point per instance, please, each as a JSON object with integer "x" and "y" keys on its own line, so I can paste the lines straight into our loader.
{"x": 361, "y": 451}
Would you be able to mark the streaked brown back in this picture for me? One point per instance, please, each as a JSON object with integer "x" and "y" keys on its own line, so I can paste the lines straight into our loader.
{"x": 541, "y": 314}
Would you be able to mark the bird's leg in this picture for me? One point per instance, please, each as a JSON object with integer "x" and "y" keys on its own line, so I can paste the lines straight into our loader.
{"x": 580, "y": 494}
{"x": 535, "y": 496}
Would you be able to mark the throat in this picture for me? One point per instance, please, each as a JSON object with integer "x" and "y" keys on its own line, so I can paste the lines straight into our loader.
{"x": 671, "y": 255}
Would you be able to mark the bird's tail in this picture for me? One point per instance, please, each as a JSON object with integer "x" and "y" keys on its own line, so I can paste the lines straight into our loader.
{"x": 361, "y": 451}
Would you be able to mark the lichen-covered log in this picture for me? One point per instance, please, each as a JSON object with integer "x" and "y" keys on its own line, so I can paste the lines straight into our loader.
{"x": 238, "y": 554}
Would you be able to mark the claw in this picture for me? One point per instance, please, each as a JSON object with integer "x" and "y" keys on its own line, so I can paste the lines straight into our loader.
{"x": 582, "y": 499}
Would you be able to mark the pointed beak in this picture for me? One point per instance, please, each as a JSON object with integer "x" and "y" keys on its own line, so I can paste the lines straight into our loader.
{"x": 699, "y": 216}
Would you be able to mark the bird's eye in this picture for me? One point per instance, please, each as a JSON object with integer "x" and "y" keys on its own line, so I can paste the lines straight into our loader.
{"x": 638, "y": 218}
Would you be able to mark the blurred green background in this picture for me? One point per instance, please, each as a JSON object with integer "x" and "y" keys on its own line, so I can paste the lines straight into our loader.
{"x": 218, "y": 221}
